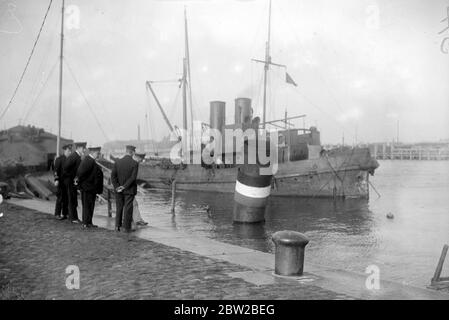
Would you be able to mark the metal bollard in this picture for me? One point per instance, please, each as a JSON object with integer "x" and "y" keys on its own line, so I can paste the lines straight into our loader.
{"x": 289, "y": 252}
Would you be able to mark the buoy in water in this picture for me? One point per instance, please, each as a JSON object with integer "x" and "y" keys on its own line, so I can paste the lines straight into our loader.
{"x": 390, "y": 215}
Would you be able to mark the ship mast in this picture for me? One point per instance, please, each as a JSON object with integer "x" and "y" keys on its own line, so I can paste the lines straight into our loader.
{"x": 266, "y": 67}
{"x": 267, "y": 62}
{"x": 61, "y": 55}
{"x": 188, "y": 77}
{"x": 184, "y": 82}
{"x": 184, "y": 106}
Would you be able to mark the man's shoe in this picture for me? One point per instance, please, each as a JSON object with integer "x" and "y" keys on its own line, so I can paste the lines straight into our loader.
{"x": 92, "y": 226}
{"x": 76, "y": 221}
{"x": 61, "y": 218}
{"x": 141, "y": 223}
{"x": 85, "y": 225}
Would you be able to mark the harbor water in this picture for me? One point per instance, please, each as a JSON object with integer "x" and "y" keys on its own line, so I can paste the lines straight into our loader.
{"x": 349, "y": 234}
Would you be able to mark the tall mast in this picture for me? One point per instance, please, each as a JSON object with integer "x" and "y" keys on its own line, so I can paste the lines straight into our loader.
{"x": 266, "y": 67}
{"x": 184, "y": 105}
{"x": 188, "y": 78}
{"x": 61, "y": 55}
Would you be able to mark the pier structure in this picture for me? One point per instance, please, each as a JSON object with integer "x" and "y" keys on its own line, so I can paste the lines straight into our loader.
{"x": 409, "y": 152}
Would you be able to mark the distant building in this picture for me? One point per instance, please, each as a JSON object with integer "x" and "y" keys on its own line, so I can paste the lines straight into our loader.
{"x": 28, "y": 146}
{"x": 410, "y": 151}
{"x": 150, "y": 147}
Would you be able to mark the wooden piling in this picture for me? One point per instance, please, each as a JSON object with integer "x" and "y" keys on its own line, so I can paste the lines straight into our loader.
{"x": 109, "y": 203}
{"x": 437, "y": 275}
{"x": 173, "y": 194}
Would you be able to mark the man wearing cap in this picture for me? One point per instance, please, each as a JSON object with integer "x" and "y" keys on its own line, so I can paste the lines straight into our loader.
{"x": 123, "y": 177}
{"x": 90, "y": 181}
{"x": 62, "y": 205}
{"x": 70, "y": 168}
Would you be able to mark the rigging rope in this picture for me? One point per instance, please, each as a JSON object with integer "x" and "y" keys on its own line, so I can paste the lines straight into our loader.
{"x": 149, "y": 123}
{"x": 298, "y": 92}
{"x": 28, "y": 62}
{"x": 331, "y": 94}
{"x": 85, "y": 99}
{"x": 258, "y": 94}
{"x": 150, "y": 131}
{"x": 175, "y": 102}
{"x": 35, "y": 89}
{"x": 33, "y": 104}
{"x": 102, "y": 104}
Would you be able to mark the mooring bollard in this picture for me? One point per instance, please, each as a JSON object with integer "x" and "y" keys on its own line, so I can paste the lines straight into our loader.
{"x": 289, "y": 252}
{"x": 173, "y": 193}
{"x": 251, "y": 194}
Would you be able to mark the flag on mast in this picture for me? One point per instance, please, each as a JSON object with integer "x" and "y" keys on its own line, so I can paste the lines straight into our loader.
{"x": 289, "y": 79}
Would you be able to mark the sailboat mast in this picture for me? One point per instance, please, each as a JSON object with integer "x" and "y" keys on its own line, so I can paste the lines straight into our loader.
{"x": 266, "y": 67}
{"x": 61, "y": 55}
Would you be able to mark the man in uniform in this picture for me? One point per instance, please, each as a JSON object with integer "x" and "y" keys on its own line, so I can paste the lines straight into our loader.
{"x": 90, "y": 182}
{"x": 61, "y": 193}
{"x": 123, "y": 177}
{"x": 70, "y": 168}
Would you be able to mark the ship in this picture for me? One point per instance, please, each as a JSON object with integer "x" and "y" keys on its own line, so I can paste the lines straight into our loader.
{"x": 305, "y": 168}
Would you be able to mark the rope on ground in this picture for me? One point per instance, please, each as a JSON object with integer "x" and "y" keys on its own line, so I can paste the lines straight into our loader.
{"x": 28, "y": 62}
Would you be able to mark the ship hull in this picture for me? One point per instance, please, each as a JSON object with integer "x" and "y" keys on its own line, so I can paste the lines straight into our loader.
{"x": 339, "y": 174}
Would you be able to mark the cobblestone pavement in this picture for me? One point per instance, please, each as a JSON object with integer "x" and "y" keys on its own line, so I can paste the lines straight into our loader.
{"x": 35, "y": 250}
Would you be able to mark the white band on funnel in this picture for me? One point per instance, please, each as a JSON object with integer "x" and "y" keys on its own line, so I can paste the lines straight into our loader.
{"x": 252, "y": 192}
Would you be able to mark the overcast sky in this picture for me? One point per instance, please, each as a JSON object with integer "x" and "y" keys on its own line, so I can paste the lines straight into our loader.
{"x": 360, "y": 65}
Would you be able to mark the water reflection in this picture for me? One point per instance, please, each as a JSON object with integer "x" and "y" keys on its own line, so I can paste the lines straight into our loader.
{"x": 350, "y": 234}
{"x": 210, "y": 215}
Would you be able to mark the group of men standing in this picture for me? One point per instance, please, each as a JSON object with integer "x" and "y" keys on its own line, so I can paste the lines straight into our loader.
{"x": 75, "y": 170}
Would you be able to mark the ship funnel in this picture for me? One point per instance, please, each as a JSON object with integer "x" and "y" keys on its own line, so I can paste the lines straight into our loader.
{"x": 243, "y": 111}
{"x": 217, "y": 115}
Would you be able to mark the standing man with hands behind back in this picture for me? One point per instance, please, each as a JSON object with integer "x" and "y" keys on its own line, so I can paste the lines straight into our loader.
{"x": 123, "y": 177}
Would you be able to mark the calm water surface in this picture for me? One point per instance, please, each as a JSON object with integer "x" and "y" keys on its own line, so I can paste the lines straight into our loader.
{"x": 349, "y": 234}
